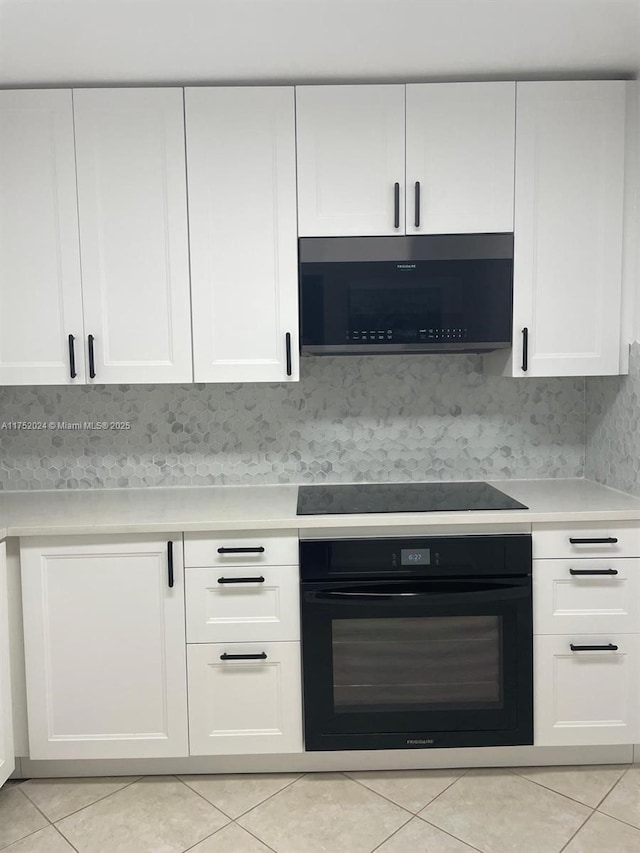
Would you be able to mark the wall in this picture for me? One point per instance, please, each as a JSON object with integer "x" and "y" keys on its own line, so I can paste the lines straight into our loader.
{"x": 612, "y": 404}
{"x": 349, "y": 419}
{"x": 48, "y": 42}
{"x": 613, "y": 428}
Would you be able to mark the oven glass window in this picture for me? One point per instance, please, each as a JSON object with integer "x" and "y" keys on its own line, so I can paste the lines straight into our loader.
{"x": 422, "y": 663}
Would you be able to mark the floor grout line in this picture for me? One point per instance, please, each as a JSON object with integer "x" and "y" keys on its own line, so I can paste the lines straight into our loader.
{"x": 456, "y": 837}
{"x": 395, "y": 832}
{"x": 64, "y": 837}
{"x": 82, "y": 808}
{"x": 257, "y": 837}
{"x": 242, "y": 814}
{"x": 378, "y": 794}
{"x": 560, "y": 793}
{"x": 584, "y": 823}
{"x": 207, "y": 837}
{"x": 28, "y": 835}
{"x": 619, "y": 819}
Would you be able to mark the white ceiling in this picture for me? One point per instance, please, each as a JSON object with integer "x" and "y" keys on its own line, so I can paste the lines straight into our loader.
{"x": 48, "y": 42}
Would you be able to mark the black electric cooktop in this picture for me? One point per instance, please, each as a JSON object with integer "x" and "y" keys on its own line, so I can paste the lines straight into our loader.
{"x": 401, "y": 497}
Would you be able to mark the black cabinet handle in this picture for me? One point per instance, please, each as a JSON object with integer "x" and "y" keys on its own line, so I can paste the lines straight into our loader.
{"x": 261, "y": 656}
{"x": 170, "y": 564}
{"x": 72, "y": 358}
{"x": 609, "y": 647}
{"x": 605, "y": 540}
{"x": 92, "y": 364}
{"x": 396, "y": 205}
{"x": 593, "y": 571}
{"x": 525, "y": 349}
{"x": 287, "y": 338}
{"x": 417, "y": 210}
{"x": 241, "y": 580}
{"x": 257, "y": 550}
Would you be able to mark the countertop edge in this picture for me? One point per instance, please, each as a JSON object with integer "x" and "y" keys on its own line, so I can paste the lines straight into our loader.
{"x": 295, "y": 523}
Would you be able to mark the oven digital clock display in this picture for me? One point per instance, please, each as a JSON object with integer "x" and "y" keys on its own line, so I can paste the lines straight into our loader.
{"x": 415, "y": 556}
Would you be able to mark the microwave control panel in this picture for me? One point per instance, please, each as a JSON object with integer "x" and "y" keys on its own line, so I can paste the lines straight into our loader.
{"x": 450, "y": 333}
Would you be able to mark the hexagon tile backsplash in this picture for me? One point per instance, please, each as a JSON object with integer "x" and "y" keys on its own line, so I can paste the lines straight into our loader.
{"x": 613, "y": 428}
{"x": 349, "y": 419}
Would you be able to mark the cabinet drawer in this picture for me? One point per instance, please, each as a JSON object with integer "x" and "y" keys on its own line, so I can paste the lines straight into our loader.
{"x": 596, "y": 540}
{"x": 246, "y": 705}
{"x": 586, "y": 596}
{"x": 586, "y": 697}
{"x": 237, "y": 605}
{"x": 241, "y": 549}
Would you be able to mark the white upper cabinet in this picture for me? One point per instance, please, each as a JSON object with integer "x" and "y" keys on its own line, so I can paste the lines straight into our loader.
{"x": 568, "y": 228}
{"x": 40, "y": 297}
{"x": 351, "y": 160}
{"x": 133, "y": 234}
{"x": 7, "y": 761}
{"x": 460, "y": 153}
{"x": 104, "y": 647}
{"x": 243, "y": 233}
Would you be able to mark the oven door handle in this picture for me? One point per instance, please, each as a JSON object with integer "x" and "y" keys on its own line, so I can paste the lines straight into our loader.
{"x": 355, "y": 596}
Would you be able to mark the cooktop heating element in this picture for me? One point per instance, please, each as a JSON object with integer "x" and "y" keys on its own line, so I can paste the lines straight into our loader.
{"x": 362, "y": 498}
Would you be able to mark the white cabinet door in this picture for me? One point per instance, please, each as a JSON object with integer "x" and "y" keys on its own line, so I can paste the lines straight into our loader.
{"x": 351, "y": 156}
{"x": 460, "y": 153}
{"x": 104, "y": 648}
{"x": 243, "y": 233}
{"x": 586, "y": 697}
{"x": 568, "y": 227}
{"x": 243, "y": 704}
{"x": 133, "y": 233}
{"x": 7, "y": 761}
{"x": 40, "y": 291}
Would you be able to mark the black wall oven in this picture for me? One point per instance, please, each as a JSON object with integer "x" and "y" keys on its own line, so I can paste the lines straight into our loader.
{"x": 413, "y": 643}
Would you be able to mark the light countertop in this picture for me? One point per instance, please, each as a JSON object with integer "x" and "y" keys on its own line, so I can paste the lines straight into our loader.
{"x": 217, "y": 508}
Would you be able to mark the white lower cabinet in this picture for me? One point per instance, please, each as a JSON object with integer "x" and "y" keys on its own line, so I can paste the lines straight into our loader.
{"x": 7, "y": 761}
{"x": 244, "y": 698}
{"x": 104, "y": 647}
{"x": 586, "y": 696}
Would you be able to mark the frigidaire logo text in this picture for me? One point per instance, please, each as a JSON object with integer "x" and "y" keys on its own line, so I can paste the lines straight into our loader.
{"x": 405, "y": 266}
{"x": 418, "y": 741}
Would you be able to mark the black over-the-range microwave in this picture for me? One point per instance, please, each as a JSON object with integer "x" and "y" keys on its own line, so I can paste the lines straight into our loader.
{"x": 418, "y": 294}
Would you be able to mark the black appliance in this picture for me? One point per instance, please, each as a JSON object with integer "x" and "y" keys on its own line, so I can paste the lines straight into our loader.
{"x": 419, "y": 294}
{"x": 420, "y": 642}
{"x": 402, "y": 497}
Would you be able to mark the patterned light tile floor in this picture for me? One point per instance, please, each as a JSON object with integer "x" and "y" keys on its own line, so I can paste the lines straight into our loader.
{"x": 522, "y": 810}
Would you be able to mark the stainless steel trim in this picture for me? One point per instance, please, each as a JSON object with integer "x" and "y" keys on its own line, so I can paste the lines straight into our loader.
{"x": 417, "y": 247}
{"x": 393, "y": 348}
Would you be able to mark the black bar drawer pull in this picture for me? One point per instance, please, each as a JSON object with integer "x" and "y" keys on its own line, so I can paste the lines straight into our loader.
{"x": 287, "y": 338}
{"x": 417, "y": 210}
{"x": 261, "y": 656}
{"x": 605, "y": 540}
{"x": 241, "y": 580}
{"x": 396, "y": 205}
{"x": 72, "y": 358}
{"x": 609, "y": 647}
{"x": 525, "y": 349}
{"x": 593, "y": 571}
{"x": 257, "y": 550}
{"x": 170, "y": 563}
{"x": 92, "y": 361}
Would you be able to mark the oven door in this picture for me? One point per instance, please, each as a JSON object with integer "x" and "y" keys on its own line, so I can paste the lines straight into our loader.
{"x": 417, "y": 663}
